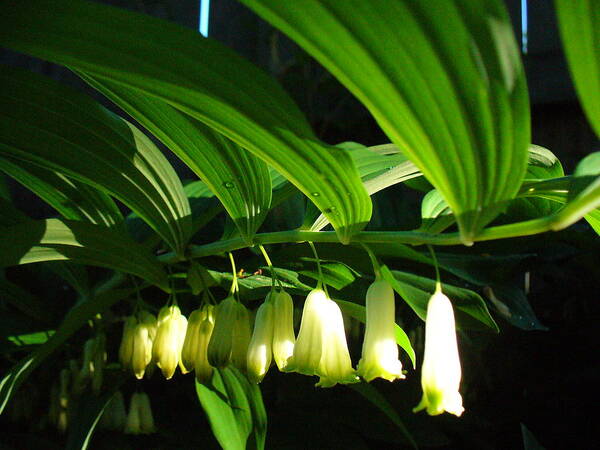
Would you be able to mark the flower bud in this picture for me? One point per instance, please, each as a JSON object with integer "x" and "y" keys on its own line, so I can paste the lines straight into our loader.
{"x": 221, "y": 341}
{"x": 283, "y": 328}
{"x": 146, "y": 418}
{"x": 307, "y": 351}
{"x": 143, "y": 337}
{"x": 380, "y": 350}
{"x": 441, "y": 373}
{"x": 133, "y": 425}
{"x": 202, "y": 367}
{"x": 242, "y": 333}
{"x": 335, "y": 365}
{"x": 114, "y": 416}
{"x": 260, "y": 348}
{"x": 126, "y": 348}
{"x": 166, "y": 349}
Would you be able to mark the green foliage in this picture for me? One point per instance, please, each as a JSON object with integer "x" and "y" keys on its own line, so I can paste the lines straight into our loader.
{"x": 444, "y": 83}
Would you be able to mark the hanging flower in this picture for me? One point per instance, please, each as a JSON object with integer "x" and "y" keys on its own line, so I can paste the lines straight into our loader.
{"x": 283, "y": 328}
{"x": 166, "y": 350}
{"x": 335, "y": 365}
{"x": 260, "y": 348}
{"x": 202, "y": 367}
{"x": 440, "y": 377}
{"x": 139, "y": 419}
{"x": 195, "y": 346}
{"x": 143, "y": 339}
{"x": 307, "y": 351}
{"x": 380, "y": 350}
{"x": 221, "y": 340}
{"x": 126, "y": 347}
{"x": 242, "y": 334}
{"x": 321, "y": 348}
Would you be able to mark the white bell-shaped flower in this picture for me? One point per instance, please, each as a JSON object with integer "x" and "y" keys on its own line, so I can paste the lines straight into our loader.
{"x": 380, "y": 350}
{"x": 307, "y": 351}
{"x": 335, "y": 365}
{"x": 260, "y": 348}
{"x": 441, "y": 373}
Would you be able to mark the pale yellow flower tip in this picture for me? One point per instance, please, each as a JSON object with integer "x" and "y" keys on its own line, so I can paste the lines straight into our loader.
{"x": 220, "y": 344}
{"x": 380, "y": 350}
{"x": 307, "y": 351}
{"x": 168, "y": 343}
{"x": 260, "y": 348}
{"x": 335, "y": 365}
{"x": 283, "y": 328}
{"x": 441, "y": 373}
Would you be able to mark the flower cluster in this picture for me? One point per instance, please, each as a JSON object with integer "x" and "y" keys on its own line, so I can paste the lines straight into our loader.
{"x": 215, "y": 337}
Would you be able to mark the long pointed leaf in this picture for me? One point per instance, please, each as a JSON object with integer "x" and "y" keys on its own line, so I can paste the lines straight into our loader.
{"x": 445, "y": 83}
{"x": 579, "y": 25}
{"x": 72, "y": 199}
{"x": 56, "y": 127}
{"x": 240, "y": 180}
{"x": 53, "y": 239}
{"x": 200, "y": 77}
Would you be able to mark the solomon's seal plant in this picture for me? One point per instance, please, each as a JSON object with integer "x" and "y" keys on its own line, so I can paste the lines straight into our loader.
{"x": 130, "y": 270}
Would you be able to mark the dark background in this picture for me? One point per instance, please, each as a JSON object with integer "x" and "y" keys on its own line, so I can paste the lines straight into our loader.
{"x": 527, "y": 389}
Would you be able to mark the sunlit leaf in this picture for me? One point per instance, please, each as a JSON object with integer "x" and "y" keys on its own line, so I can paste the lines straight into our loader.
{"x": 469, "y": 308}
{"x": 53, "y": 239}
{"x": 200, "y": 77}
{"x": 72, "y": 199}
{"x": 239, "y": 179}
{"x": 445, "y": 83}
{"x": 579, "y": 22}
{"x": 53, "y": 126}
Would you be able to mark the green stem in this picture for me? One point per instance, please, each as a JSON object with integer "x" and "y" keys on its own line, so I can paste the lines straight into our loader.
{"x": 271, "y": 268}
{"x": 374, "y": 262}
{"x": 321, "y": 280}
{"x": 526, "y": 228}
{"x": 234, "y": 282}
{"x": 435, "y": 264}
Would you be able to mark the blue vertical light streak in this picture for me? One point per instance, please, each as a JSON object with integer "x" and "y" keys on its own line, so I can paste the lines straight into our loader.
{"x": 204, "y": 12}
{"x": 524, "y": 26}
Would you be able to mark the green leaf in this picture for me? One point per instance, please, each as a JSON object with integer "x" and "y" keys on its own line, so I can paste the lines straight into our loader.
{"x": 87, "y": 414}
{"x": 199, "y": 77}
{"x": 53, "y": 126}
{"x": 54, "y": 239}
{"x": 72, "y": 199}
{"x": 239, "y": 179}
{"x": 104, "y": 296}
{"x": 579, "y": 25}
{"x": 22, "y": 300}
{"x": 37, "y": 338}
{"x": 359, "y": 313}
{"x": 369, "y": 392}
{"x": 435, "y": 213}
{"x": 579, "y": 192}
{"x": 445, "y": 83}
{"x": 543, "y": 164}
{"x": 379, "y": 167}
{"x": 227, "y": 407}
{"x": 511, "y": 303}
{"x": 257, "y": 407}
{"x": 469, "y": 308}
